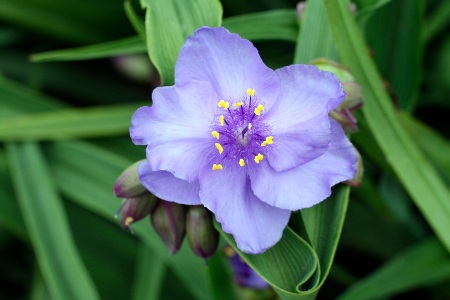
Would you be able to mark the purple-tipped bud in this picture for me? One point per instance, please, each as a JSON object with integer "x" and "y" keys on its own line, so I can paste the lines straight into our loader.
{"x": 356, "y": 181}
{"x": 128, "y": 184}
{"x": 202, "y": 236}
{"x": 135, "y": 209}
{"x": 169, "y": 221}
{"x": 354, "y": 99}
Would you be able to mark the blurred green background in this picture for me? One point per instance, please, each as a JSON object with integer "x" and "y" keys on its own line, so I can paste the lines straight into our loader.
{"x": 64, "y": 118}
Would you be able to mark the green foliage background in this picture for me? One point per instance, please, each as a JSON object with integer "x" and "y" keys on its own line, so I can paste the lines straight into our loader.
{"x": 66, "y": 99}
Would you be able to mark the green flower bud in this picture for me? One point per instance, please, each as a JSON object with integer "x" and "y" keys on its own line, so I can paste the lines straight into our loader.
{"x": 169, "y": 221}
{"x": 135, "y": 209}
{"x": 128, "y": 184}
{"x": 202, "y": 236}
{"x": 353, "y": 100}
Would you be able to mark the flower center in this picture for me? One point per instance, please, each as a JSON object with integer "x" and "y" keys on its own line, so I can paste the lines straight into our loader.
{"x": 240, "y": 133}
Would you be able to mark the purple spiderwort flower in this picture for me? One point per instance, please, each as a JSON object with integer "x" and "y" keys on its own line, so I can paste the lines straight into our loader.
{"x": 249, "y": 143}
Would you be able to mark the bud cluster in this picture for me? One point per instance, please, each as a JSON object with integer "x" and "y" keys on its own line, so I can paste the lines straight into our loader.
{"x": 171, "y": 221}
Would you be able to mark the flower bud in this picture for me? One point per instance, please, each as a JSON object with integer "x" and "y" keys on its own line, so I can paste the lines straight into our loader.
{"x": 202, "y": 236}
{"x": 356, "y": 181}
{"x": 169, "y": 221}
{"x": 353, "y": 100}
{"x": 128, "y": 184}
{"x": 135, "y": 209}
{"x": 244, "y": 275}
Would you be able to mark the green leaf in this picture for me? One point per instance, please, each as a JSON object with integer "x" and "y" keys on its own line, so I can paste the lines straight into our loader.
{"x": 422, "y": 264}
{"x": 169, "y": 22}
{"x": 68, "y": 123}
{"x": 79, "y": 166}
{"x": 414, "y": 171}
{"x": 323, "y": 223}
{"x": 134, "y": 19}
{"x": 431, "y": 142}
{"x": 398, "y": 52}
{"x": 149, "y": 277}
{"x": 130, "y": 45}
{"x": 314, "y": 39}
{"x": 45, "y": 218}
{"x": 278, "y": 24}
{"x": 437, "y": 21}
{"x": 220, "y": 277}
{"x": 292, "y": 267}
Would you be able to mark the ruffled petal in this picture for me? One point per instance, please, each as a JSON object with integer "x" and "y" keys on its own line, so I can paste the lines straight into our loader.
{"x": 230, "y": 63}
{"x": 255, "y": 225}
{"x": 165, "y": 186}
{"x": 308, "y": 184}
{"x": 176, "y": 128}
{"x": 299, "y": 118}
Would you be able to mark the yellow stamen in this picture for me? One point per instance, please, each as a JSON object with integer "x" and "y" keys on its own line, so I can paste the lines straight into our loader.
{"x": 259, "y": 158}
{"x": 128, "y": 221}
{"x": 251, "y": 92}
{"x": 219, "y": 147}
{"x": 268, "y": 141}
{"x": 259, "y": 109}
{"x": 217, "y": 167}
{"x": 221, "y": 120}
{"x": 238, "y": 104}
{"x": 215, "y": 134}
{"x": 241, "y": 162}
{"x": 223, "y": 104}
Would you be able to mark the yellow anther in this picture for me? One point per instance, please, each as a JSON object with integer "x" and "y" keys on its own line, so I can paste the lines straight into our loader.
{"x": 238, "y": 104}
{"x": 222, "y": 120}
{"x": 259, "y": 109}
{"x": 259, "y": 158}
{"x": 268, "y": 141}
{"x": 217, "y": 167}
{"x": 223, "y": 104}
{"x": 219, "y": 147}
{"x": 241, "y": 162}
{"x": 251, "y": 92}
{"x": 128, "y": 221}
{"x": 215, "y": 134}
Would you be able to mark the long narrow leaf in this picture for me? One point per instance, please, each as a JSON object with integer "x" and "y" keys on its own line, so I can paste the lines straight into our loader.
{"x": 130, "y": 45}
{"x": 168, "y": 24}
{"x": 61, "y": 265}
{"x": 414, "y": 171}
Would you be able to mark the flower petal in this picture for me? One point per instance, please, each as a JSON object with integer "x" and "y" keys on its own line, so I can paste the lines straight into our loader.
{"x": 167, "y": 187}
{"x": 308, "y": 184}
{"x": 176, "y": 128}
{"x": 299, "y": 118}
{"x": 230, "y": 63}
{"x": 255, "y": 225}
{"x": 300, "y": 144}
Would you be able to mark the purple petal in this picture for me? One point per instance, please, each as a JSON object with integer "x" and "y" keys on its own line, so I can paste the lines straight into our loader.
{"x": 308, "y": 184}
{"x": 300, "y": 144}
{"x": 230, "y": 63}
{"x": 300, "y": 115}
{"x": 255, "y": 225}
{"x": 176, "y": 128}
{"x": 167, "y": 187}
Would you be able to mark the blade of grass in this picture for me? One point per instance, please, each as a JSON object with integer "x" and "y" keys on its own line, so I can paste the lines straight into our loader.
{"x": 278, "y": 24}
{"x": 125, "y": 46}
{"x": 45, "y": 218}
{"x": 68, "y": 123}
{"x": 417, "y": 175}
